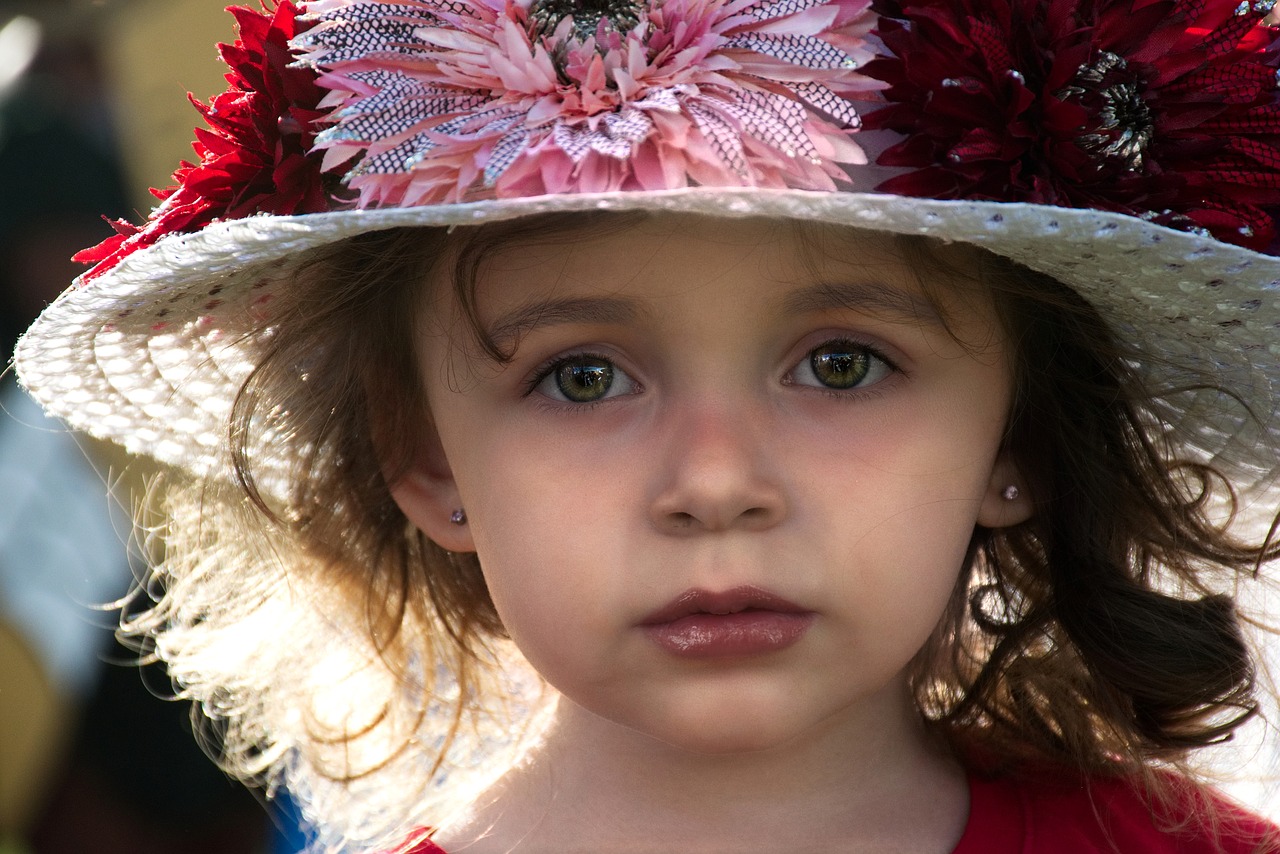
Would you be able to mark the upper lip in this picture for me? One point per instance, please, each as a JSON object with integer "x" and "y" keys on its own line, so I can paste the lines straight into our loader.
{"x": 732, "y": 601}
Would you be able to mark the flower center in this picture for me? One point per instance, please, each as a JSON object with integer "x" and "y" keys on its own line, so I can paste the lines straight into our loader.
{"x": 622, "y": 15}
{"x": 1124, "y": 126}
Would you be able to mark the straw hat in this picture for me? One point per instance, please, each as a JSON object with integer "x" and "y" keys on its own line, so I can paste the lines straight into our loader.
{"x": 1128, "y": 148}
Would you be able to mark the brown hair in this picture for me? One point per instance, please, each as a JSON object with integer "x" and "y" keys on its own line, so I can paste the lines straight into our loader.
{"x": 1096, "y": 635}
{"x": 1093, "y": 637}
{"x": 346, "y": 329}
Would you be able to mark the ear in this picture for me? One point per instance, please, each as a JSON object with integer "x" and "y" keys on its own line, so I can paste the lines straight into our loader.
{"x": 998, "y": 509}
{"x": 428, "y": 496}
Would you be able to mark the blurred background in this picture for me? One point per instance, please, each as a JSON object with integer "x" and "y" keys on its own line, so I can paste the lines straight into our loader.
{"x": 94, "y": 753}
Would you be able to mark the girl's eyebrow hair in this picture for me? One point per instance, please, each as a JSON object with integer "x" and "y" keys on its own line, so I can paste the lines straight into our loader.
{"x": 518, "y": 322}
{"x": 515, "y": 324}
{"x": 863, "y": 297}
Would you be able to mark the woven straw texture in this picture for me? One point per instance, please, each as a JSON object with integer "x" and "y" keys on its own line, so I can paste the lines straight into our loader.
{"x": 152, "y": 354}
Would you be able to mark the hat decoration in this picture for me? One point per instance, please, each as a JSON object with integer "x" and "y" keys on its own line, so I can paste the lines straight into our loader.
{"x": 1070, "y": 136}
{"x": 255, "y": 155}
{"x": 451, "y": 100}
{"x": 1162, "y": 109}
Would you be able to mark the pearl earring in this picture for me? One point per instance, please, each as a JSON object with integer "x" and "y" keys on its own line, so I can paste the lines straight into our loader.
{"x": 458, "y": 517}
{"x": 1010, "y": 492}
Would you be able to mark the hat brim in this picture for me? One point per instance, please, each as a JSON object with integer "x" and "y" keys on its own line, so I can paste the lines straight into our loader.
{"x": 152, "y": 353}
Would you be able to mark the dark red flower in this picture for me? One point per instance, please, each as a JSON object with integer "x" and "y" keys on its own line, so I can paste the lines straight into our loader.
{"x": 254, "y": 156}
{"x": 1163, "y": 109}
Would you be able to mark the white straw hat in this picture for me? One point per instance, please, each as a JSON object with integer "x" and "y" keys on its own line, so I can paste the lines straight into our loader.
{"x": 754, "y": 114}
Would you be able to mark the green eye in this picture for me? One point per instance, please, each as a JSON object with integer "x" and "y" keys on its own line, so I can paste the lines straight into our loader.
{"x": 584, "y": 379}
{"x": 838, "y": 365}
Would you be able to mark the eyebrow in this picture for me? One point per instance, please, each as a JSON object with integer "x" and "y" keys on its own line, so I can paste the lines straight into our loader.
{"x": 873, "y": 298}
{"x": 515, "y": 324}
{"x": 508, "y": 329}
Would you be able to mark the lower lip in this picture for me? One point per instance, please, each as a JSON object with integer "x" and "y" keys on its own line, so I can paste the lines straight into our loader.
{"x": 745, "y": 633}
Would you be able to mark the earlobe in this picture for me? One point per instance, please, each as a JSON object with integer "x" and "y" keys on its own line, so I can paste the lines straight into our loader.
{"x": 428, "y": 496}
{"x": 1007, "y": 501}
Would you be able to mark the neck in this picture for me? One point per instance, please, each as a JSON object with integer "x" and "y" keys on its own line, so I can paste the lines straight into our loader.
{"x": 881, "y": 784}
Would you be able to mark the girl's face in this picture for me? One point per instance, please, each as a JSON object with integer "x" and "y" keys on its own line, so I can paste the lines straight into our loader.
{"x": 723, "y": 491}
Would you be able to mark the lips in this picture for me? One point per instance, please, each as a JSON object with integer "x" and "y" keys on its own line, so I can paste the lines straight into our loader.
{"x": 741, "y": 622}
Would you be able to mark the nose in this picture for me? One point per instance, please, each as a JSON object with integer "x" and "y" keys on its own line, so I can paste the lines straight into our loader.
{"x": 716, "y": 474}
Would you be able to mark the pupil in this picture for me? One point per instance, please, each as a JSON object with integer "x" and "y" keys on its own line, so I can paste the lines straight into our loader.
{"x": 584, "y": 382}
{"x": 836, "y": 367}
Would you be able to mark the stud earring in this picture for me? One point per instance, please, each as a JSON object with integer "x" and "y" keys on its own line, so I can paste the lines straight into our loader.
{"x": 1010, "y": 492}
{"x": 458, "y": 517}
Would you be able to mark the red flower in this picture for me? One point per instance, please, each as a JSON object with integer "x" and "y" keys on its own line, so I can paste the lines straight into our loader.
{"x": 254, "y": 154}
{"x": 1163, "y": 109}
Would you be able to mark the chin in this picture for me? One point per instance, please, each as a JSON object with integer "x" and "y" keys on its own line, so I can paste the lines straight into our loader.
{"x": 721, "y": 733}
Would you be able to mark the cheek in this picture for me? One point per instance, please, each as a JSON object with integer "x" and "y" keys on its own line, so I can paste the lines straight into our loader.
{"x": 907, "y": 570}
{"x": 905, "y": 503}
{"x": 894, "y": 584}
{"x": 548, "y": 541}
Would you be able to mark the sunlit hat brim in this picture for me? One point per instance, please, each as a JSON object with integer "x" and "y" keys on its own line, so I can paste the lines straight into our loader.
{"x": 152, "y": 354}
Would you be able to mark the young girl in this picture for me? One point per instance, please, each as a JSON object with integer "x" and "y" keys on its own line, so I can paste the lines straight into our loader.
{"x": 712, "y": 425}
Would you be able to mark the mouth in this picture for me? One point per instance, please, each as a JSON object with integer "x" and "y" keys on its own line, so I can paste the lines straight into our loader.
{"x": 734, "y": 601}
{"x": 740, "y": 622}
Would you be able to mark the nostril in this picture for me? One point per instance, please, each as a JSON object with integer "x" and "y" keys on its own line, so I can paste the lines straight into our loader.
{"x": 752, "y": 518}
{"x": 715, "y": 493}
{"x": 758, "y": 517}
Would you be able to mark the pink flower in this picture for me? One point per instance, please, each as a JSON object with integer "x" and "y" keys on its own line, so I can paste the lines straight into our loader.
{"x": 1163, "y": 109}
{"x": 255, "y": 156}
{"x": 446, "y": 100}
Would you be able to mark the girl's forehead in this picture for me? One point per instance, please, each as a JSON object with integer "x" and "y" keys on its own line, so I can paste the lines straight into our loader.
{"x": 622, "y": 249}
{"x": 609, "y": 267}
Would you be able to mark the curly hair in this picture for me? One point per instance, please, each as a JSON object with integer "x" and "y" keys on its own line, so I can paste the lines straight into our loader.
{"x": 1098, "y": 634}
{"x": 348, "y": 657}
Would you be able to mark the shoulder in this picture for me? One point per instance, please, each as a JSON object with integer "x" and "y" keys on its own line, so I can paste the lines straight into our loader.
{"x": 1071, "y": 815}
{"x": 418, "y": 844}
{"x": 1064, "y": 815}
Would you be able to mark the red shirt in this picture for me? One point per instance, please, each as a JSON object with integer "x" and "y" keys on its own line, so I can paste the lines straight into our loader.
{"x": 1009, "y": 816}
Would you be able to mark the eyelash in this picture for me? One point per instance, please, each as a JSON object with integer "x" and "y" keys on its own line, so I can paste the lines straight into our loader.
{"x": 853, "y": 345}
{"x": 550, "y": 366}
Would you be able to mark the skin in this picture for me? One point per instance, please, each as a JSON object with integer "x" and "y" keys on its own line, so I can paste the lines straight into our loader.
{"x": 718, "y": 457}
